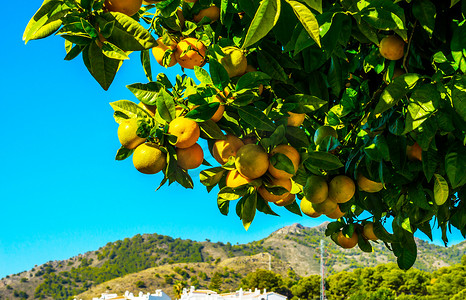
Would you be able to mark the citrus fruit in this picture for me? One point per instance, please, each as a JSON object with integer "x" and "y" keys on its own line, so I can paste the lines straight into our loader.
{"x": 322, "y": 132}
{"x": 219, "y": 113}
{"x": 252, "y": 161}
{"x": 159, "y": 51}
{"x": 295, "y": 120}
{"x": 192, "y": 57}
{"x": 235, "y": 179}
{"x": 249, "y": 140}
{"x": 186, "y": 130}
{"x": 190, "y": 158}
{"x": 341, "y": 189}
{"x": 149, "y": 159}
{"x": 234, "y": 61}
{"x": 127, "y": 7}
{"x": 392, "y": 47}
{"x": 286, "y": 201}
{"x": 289, "y": 152}
{"x": 286, "y": 183}
{"x": 223, "y": 149}
{"x": 316, "y": 189}
{"x": 368, "y": 231}
{"x": 212, "y": 12}
{"x": 414, "y": 152}
{"x": 367, "y": 185}
{"x": 336, "y": 214}
{"x": 308, "y": 209}
{"x": 127, "y": 134}
{"x": 347, "y": 242}
{"x": 147, "y": 2}
{"x": 149, "y": 108}
{"x": 325, "y": 207}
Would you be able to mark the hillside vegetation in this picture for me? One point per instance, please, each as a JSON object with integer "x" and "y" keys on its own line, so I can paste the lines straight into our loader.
{"x": 295, "y": 246}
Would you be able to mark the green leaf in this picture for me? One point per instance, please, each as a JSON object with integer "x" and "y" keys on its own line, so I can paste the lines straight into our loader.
{"x": 396, "y": 90}
{"x": 384, "y": 14}
{"x": 183, "y": 178}
{"x": 430, "y": 162}
{"x": 305, "y": 103}
{"x": 297, "y": 137}
{"x": 315, "y": 4}
{"x": 422, "y": 105}
{"x": 165, "y": 106}
{"x": 382, "y": 233}
{"x": 307, "y": 19}
{"x": 405, "y": 257}
{"x": 364, "y": 245}
{"x": 145, "y": 62}
{"x": 455, "y": 165}
{"x": 112, "y": 51}
{"x": 264, "y": 207}
{"x": 441, "y": 191}
{"x": 417, "y": 195}
{"x": 322, "y": 160}
{"x": 294, "y": 208}
{"x": 249, "y": 208}
{"x": 223, "y": 206}
{"x": 369, "y": 32}
{"x": 123, "y": 153}
{"x": 128, "y": 109}
{"x": 458, "y": 40}
{"x": 264, "y": 20}
{"x": 202, "y": 75}
{"x": 271, "y": 66}
{"x": 252, "y": 80}
{"x": 127, "y": 33}
{"x": 211, "y": 177}
{"x": 45, "y": 21}
{"x": 203, "y": 112}
{"x": 147, "y": 93}
{"x": 453, "y": 2}
{"x": 256, "y": 118}
{"x": 102, "y": 68}
{"x": 210, "y": 130}
{"x": 281, "y": 162}
{"x": 458, "y": 96}
{"x": 333, "y": 227}
{"x": 220, "y": 77}
{"x": 230, "y": 194}
{"x": 425, "y": 12}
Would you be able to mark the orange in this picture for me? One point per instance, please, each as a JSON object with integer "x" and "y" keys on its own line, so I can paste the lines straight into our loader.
{"x": 127, "y": 134}
{"x": 193, "y": 57}
{"x": 368, "y": 232}
{"x": 289, "y": 152}
{"x": 235, "y": 179}
{"x": 159, "y": 51}
{"x": 336, "y": 214}
{"x": 308, "y": 209}
{"x": 249, "y": 140}
{"x": 149, "y": 159}
{"x": 219, "y": 113}
{"x": 392, "y": 47}
{"x": 286, "y": 201}
{"x": 187, "y": 131}
{"x": 213, "y": 13}
{"x": 316, "y": 189}
{"x": 252, "y": 161}
{"x": 223, "y": 149}
{"x": 295, "y": 120}
{"x": 286, "y": 183}
{"x": 147, "y": 2}
{"x": 234, "y": 61}
{"x": 367, "y": 185}
{"x": 414, "y": 152}
{"x": 346, "y": 242}
{"x": 322, "y": 132}
{"x": 127, "y": 7}
{"x": 190, "y": 158}
{"x": 341, "y": 189}
{"x": 326, "y": 207}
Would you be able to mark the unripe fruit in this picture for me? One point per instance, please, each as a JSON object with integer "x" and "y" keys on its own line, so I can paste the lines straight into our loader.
{"x": 234, "y": 61}
{"x": 127, "y": 134}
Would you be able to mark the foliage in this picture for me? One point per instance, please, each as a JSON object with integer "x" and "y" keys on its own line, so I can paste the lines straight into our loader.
{"x": 330, "y": 68}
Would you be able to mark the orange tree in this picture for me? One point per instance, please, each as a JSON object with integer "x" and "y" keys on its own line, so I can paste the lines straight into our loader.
{"x": 352, "y": 109}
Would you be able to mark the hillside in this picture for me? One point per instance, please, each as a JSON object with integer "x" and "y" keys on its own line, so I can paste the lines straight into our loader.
{"x": 296, "y": 246}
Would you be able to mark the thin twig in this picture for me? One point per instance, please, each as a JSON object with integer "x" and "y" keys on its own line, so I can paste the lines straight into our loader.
{"x": 409, "y": 45}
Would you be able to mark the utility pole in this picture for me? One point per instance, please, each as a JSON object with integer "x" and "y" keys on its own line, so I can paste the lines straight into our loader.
{"x": 322, "y": 271}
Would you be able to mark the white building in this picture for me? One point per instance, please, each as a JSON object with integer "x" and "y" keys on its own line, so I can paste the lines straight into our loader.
{"x": 193, "y": 294}
{"x": 159, "y": 295}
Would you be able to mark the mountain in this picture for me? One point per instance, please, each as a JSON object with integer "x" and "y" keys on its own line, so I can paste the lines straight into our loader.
{"x": 293, "y": 247}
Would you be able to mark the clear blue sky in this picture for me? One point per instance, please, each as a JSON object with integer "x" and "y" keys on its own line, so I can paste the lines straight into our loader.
{"x": 62, "y": 192}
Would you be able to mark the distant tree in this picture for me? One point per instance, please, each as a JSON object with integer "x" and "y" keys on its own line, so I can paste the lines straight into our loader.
{"x": 140, "y": 284}
{"x": 262, "y": 279}
{"x": 178, "y": 289}
{"x": 216, "y": 282}
{"x": 307, "y": 287}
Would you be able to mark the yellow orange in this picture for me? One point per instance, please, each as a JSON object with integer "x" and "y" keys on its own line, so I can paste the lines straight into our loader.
{"x": 127, "y": 7}
{"x": 235, "y": 179}
{"x": 368, "y": 232}
{"x": 316, "y": 189}
{"x": 289, "y": 152}
{"x": 193, "y": 57}
{"x": 159, "y": 51}
{"x": 223, "y": 149}
{"x": 286, "y": 183}
{"x": 367, "y": 185}
{"x": 341, "y": 189}
{"x": 234, "y": 61}
{"x": 149, "y": 159}
{"x": 336, "y": 214}
{"x": 286, "y": 201}
{"x": 295, "y": 120}
{"x": 392, "y": 47}
{"x": 346, "y": 242}
{"x": 252, "y": 161}
{"x": 212, "y": 12}
{"x": 219, "y": 113}
{"x": 187, "y": 131}
{"x": 325, "y": 207}
{"x": 190, "y": 158}
{"x": 127, "y": 134}
{"x": 308, "y": 209}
